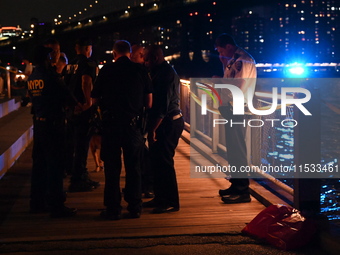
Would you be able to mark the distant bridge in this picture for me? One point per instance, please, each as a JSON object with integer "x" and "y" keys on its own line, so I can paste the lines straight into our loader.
{"x": 131, "y": 24}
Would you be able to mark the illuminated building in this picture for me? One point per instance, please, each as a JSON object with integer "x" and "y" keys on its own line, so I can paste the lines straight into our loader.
{"x": 306, "y": 30}
{"x": 7, "y": 32}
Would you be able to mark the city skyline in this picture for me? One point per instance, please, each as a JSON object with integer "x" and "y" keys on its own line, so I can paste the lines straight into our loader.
{"x": 279, "y": 32}
{"x": 20, "y": 13}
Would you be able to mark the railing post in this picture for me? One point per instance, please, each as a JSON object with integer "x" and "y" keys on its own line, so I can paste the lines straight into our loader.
{"x": 248, "y": 144}
{"x": 215, "y": 131}
{"x": 192, "y": 111}
{"x": 308, "y": 151}
{"x": 8, "y": 78}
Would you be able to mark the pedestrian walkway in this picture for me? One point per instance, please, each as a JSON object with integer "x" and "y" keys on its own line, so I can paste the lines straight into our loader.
{"x": 201, "y": 210}
{"x": 204, "y": 225}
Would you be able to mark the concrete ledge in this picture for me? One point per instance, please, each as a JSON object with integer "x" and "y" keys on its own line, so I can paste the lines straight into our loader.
{"x": 8, "y": 158}
{"x": 7, "y": 106}
{"x": 16, "y": 133}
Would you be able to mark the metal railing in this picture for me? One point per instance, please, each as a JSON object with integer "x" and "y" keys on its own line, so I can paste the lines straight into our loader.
{"x": 267, "y": 145}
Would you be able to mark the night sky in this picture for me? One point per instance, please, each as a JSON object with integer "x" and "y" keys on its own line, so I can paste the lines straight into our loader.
{"x": 20, "y": 12}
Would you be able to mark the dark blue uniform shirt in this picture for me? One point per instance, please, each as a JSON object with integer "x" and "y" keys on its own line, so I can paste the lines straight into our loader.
{"x": 48, "y": 93}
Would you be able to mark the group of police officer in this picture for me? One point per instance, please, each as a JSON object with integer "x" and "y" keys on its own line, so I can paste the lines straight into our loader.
{"x": 123, "y": 90}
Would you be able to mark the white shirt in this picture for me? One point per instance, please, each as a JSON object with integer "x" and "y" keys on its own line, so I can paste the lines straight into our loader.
{"x": 242, "y": 65}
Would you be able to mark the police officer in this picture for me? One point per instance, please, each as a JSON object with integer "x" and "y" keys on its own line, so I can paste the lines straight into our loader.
{"x": 80, "y": 78}
{"x": 165, "y": 128}
{"x": 48, "y": 96}
{"x": 123, "y": 88}
{"x": 240, "y": 65}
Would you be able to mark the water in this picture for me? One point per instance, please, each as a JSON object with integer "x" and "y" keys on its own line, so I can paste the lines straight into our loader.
{"x": 280, "y": 146}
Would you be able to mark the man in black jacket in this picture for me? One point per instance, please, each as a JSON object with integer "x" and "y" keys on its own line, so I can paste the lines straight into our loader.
{"x": 165, "y": 128}
{"x": 81, "y": 76}
{"x": 122, "y": 89}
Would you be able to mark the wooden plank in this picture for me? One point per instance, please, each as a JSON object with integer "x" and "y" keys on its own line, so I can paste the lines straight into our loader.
{"x": 201, "y": 212}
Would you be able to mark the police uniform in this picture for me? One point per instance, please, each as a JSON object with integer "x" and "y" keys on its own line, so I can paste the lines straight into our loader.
{"x": 48, "y": 96}
{"x": 166, "y": 87}
{"x": 121, "y": 88}
{"x": 80, "y": 122}
{"x": 241, "y": 65}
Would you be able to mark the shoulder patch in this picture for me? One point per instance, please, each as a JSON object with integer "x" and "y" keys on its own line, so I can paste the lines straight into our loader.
{"x": 238, "y": 65}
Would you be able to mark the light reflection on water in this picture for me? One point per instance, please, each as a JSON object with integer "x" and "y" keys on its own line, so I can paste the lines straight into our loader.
{"x": 282, "y": 151}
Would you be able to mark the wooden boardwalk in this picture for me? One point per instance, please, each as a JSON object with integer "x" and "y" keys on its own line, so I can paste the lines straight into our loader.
{"x": 202, "y": 211}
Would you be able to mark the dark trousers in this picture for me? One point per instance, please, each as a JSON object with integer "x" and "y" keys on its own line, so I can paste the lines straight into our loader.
{"x": 81, "y": 132}
{"x": 47, "y": 171}
{"x": 69, "y": 147}
{"x": 147, "y": 176}
{"x": 162, "y": 154}
{"x": 237, "y": 149}
{"x": 117, "y": 137}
